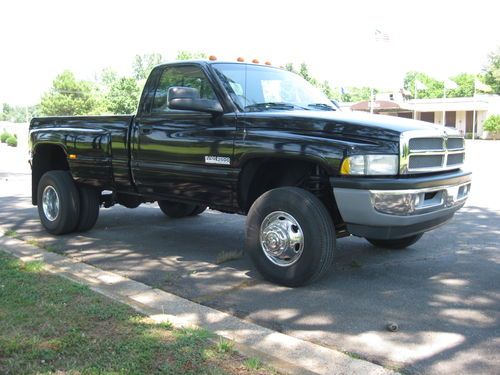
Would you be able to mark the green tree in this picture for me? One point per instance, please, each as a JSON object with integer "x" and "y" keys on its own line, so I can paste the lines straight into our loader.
{"x": 492, "y": 125}
{"x": 123, "y": 96}
{"x": 108, "y": 76}
{"x": 187, "y": 55}
{"x": 356, "y": 94}
{"x": 143, "y": 64}
{"x": 304, "y": 73}
{"x": 434, "y": 88}
{"x": 68, "y": 97}
{"x": 465, "y": 82}
{"x": 18, "y": 113}
{"x": 492, "y": 71}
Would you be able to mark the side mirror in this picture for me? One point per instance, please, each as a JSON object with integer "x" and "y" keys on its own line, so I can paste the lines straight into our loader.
{"x": 188, "y": 99}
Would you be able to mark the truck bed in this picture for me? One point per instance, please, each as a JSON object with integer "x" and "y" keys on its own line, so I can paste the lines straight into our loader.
{"x": 96, "y": 147}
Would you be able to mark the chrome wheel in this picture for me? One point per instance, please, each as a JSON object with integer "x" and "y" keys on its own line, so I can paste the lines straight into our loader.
{"x": 50, "y": 203}
{"x": 281, "y": 238}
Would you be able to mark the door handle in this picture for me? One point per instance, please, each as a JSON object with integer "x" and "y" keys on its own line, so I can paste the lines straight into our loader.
{"x": 146, "y": 130}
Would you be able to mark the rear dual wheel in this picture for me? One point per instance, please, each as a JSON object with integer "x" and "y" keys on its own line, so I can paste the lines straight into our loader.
{"x": 63, "y": 206}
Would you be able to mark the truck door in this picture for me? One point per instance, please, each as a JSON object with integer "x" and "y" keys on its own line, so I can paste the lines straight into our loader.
{"x": 184, "y": 154}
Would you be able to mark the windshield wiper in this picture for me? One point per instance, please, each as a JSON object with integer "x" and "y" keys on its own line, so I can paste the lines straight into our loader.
{"x": 274, "y": 105}
{"x": 322, "y": 106}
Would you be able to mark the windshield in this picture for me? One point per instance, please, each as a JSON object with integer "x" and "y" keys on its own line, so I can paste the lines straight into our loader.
{"x": 260, "y": 88}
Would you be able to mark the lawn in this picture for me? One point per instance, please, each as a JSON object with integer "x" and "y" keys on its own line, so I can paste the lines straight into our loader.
{"x": 50, "y": 324}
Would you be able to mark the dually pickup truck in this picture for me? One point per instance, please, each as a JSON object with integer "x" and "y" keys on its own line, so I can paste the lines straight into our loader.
{"x": 259, "y": 141}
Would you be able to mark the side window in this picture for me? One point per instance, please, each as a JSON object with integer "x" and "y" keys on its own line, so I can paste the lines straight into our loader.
{"x": 185, "y": 76}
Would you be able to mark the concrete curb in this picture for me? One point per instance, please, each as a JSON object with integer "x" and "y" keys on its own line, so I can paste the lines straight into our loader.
{"x": 284, "y": 353}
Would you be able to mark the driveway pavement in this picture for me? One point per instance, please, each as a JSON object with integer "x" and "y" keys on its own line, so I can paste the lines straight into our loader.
{"x": 443, "y": 292}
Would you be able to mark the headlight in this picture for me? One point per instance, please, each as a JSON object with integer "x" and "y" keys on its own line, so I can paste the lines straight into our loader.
{"x": 366, "y": 165}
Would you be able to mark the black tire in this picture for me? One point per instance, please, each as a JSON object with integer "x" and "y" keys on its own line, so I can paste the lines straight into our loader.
{"x": 399, "y": 243}
{"x": 89, "y": 208}
{"x": 315, "y": 224}
{"x": 176, "y": 210}
{"x": 198, "y": 210}
{"x": 66, "y": 219}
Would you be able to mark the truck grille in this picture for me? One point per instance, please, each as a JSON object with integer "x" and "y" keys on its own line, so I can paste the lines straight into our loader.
{"x": 423, "y": 152}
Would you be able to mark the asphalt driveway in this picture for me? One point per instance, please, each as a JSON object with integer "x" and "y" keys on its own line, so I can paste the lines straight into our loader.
{"x": 444, "y": 291}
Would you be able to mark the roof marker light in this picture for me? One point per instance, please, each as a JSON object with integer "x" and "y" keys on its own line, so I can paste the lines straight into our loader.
{"x": 268, "y": 63}
{"x": 240, "y": 59}
{"x": 212, "y": 58}
{"x": 255, "y": 61}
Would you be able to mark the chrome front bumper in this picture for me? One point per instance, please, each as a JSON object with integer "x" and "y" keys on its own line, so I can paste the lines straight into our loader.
{"x": 387, "y": 214}
{"x": 418, "y": 201}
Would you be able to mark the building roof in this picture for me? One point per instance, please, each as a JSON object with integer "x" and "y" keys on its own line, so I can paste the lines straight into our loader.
{"x": 378, "y": 105}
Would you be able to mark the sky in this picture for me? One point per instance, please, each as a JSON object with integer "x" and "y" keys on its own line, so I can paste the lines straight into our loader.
{"x": 40, "y": 39}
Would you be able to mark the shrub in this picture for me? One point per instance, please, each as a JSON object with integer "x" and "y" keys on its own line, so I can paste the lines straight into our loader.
{"x": 4, "y": 136}
{"x": 492, "y": 125}
{"x": 12, "y": 141}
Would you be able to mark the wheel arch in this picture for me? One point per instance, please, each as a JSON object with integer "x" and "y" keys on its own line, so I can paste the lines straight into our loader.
{"x": 46, "y": 157}
{"x": 260, "y": 174}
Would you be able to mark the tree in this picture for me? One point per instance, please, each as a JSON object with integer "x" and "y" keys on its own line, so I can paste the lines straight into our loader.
{"x": 434, "y": 88}
{"x": 187, "y": 55}
{"x": 465, "y": 82}
{"x": 69, "y": 97}
{"x": 492, "y": 125}
{"x": 18, "y": 113}
{"x": 123, "y": 96}
{"x": 304, "y": 73}
{"x": 356, "y": 94}
{"x": 143, "y": 64}
{"x": 492, "y": 71}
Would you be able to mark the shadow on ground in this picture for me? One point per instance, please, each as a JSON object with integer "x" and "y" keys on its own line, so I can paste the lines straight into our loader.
{"x": 443, "y": 291}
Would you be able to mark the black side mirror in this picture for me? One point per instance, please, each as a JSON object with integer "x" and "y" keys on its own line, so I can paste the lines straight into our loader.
{"x": 187, "y": 98}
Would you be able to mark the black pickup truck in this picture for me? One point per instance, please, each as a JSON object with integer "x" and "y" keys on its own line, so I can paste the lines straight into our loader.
{"x": 259, "y": 141}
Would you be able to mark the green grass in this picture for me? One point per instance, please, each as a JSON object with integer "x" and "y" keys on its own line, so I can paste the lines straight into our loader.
{"x": 253, "y": 363}
{"x": 11, "y": 233}
{"x": 50, "y": 324}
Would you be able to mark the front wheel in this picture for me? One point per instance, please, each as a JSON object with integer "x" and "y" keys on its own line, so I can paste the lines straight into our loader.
{"x": 290, "y": 236}
{"x": 399, "y": 243}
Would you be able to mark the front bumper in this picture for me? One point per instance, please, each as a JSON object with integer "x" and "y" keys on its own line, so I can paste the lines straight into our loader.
{"x": 399, "y": 207}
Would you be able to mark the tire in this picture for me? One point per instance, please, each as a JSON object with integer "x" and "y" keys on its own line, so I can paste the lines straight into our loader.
{"x": 399, "y": 243}
{"x": 89, "y": 208}
{"x": 58, "y": 187}
{"x": 198, "y": 210}
{"x": 176, "y": 210}
{"x": 310, "y": 235}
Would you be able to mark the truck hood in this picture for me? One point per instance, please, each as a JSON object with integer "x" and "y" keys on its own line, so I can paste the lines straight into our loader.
{"x": 358, "y": 124}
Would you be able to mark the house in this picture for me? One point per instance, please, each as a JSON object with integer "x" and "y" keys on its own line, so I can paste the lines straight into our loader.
{"x": 458, "y": 113}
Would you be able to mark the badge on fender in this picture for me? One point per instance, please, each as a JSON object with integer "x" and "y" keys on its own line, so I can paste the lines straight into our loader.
{"x": 223, "y": 160}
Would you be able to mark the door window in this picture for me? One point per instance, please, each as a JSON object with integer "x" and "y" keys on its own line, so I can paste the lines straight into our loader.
{"x": 185, "y": 76}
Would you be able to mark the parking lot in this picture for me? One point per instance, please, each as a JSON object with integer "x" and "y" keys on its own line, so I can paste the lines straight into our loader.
{"x": 443, "y": 292}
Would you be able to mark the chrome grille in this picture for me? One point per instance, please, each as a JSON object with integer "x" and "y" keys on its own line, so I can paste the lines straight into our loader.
{"x": 417, "y": 144}
{"x": 455, "y": 159}
{"x": 430, "y": 151}
{"x": 425, "y": 161}
{"x": 455, "y": 143}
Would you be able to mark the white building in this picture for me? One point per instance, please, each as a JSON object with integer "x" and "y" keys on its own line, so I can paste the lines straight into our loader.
{"x": 458, "y": 113}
